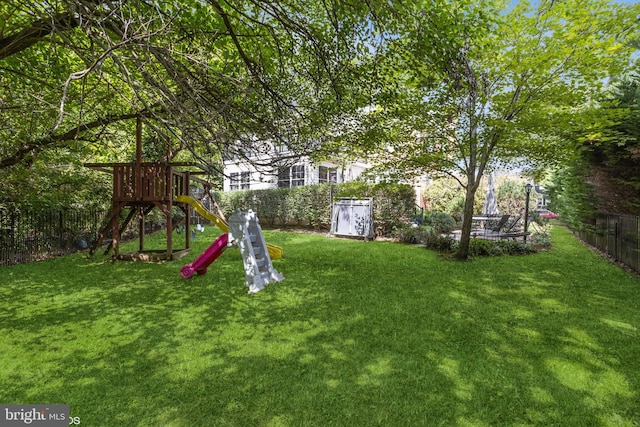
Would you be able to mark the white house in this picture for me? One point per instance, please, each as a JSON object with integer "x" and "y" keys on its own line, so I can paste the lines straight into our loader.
{"x": 279, "y": 168}
{"x": 276, "y": 167}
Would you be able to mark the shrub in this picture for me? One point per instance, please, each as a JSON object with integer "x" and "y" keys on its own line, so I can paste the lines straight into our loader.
{"x": 446, "y": 195}
{"x": 314, "y": 202}
{"x": 541, "y": 241}
{"x": 437, "y": 242}
{"x": 267, "y": 203}
{"x": 477, "y": 247}
{"x": 441, "y": 222}
{"x": 311, "y": 205}
{"x": 408, "y": 233}
{"x": 513, "y": 247}
{"x": 232, "y": 201}
{"x": 308, "y": 205}
{"x": 481, "y": 247}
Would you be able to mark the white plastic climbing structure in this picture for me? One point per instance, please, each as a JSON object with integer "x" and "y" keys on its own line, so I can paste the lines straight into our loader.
{"x": 245, "y": 231}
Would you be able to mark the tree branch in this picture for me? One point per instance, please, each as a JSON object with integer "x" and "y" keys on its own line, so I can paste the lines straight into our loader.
{"x": 36, "y": 32}
{"x": 35, "y": 146}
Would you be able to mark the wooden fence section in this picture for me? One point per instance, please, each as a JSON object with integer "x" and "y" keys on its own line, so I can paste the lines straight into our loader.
{"x": 616, "y": 235}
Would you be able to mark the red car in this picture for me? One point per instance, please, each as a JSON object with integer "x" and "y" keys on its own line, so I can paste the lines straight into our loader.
{"x": 546, "y": 213}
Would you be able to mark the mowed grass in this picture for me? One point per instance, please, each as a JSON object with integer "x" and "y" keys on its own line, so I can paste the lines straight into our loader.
{"x": 358, "y": 334}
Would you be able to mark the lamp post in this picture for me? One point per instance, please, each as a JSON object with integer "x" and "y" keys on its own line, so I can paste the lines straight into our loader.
{"x": 527, "y": 189}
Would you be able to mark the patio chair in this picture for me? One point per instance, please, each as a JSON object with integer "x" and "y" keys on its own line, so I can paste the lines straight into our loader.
{"x": 510, "y": 226}
{"x": 491, "y": 228}
{"x": 496, "y": 227}
{"x": 512, "y": 232}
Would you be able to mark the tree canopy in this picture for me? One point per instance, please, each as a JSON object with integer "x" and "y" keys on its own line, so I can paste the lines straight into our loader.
{"x": 472, "y": 85}
{"x": 604, "y": 174}
{"x": 206, "y": 76}
{"x": 443, "y": 87}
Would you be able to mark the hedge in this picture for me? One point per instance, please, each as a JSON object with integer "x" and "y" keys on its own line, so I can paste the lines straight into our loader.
{"x": 310, "y": 206}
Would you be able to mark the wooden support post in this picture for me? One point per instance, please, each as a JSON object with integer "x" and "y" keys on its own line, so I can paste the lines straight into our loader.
{"x": 169, "y": 215}
{"x": 138, "y": 167}
{"x": 115, "y": 228}
{"x": 141, "y": 230}
{"x": 185, "y": 191}
{"x": 168, "y": 197}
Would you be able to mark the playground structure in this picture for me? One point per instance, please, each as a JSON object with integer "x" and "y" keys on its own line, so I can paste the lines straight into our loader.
{"x": 139, "y": 188}
{"x": 201, "y": 263}
{"x": 244, "y": 230}
{"x": 274, "y": 251}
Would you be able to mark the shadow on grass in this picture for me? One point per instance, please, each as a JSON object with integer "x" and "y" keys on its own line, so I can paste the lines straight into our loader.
{"x": 358, "y": 334}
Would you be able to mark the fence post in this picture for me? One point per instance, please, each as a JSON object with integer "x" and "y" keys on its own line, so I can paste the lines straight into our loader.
{"x": 60, "y": 229}
{"x": 13, "y": 230}
{"x": 618, "y": 241}
{"x": 637, "y": 266}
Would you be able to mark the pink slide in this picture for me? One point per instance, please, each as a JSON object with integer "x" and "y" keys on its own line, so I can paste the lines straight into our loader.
{"x": 208, "y": 256}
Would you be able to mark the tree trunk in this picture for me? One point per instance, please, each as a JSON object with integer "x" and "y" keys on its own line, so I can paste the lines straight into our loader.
{"x": 467, "y": 221}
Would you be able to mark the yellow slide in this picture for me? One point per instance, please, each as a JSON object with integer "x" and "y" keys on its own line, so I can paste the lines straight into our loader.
{"x": 275, "y": 252}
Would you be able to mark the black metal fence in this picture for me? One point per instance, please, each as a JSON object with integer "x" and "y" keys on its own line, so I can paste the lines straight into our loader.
{"x": 617, "y": 236}
{"x": 27, "y": 236}
{"x": 34, "y": 235}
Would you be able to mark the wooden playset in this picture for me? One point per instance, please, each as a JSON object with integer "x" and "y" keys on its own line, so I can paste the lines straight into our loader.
{"x": 139, "y": 188}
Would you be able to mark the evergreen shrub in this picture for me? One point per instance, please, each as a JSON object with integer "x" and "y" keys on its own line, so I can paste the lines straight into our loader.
{"x": 408, "y": 233}
{"x": 481, "y": 247}
{"x": 311, "y": 205}
{"x": 441, "y": 222}
{"x": 437, "y": 242}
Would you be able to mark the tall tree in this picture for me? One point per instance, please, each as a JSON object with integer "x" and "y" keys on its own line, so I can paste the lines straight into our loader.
{"x": 605, "y": 174}
{"x": 469, "y": 85}
{"x": 207, "y": 76}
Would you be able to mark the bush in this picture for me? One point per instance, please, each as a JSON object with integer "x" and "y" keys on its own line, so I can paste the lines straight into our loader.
{"x": 477, "y": 247}
{"x": 311, "y": 205}
{"x": 446, "y": 195}
{"x": 512, "y": 247}
{"x": 541, "y": 241}
{"x": 441, "y": 222}
{"x": 481, "y": 247}
{"x": 408, "y": 233}
{"x": 234, "y": 200}
{"x": 437, "y": 242}
{"x": 308, "y": 205}
{"x": 268, "y": 203}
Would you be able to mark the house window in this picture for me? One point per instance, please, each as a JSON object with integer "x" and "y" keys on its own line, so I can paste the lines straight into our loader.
{"x": 239, "y": 181}
{"x": 284, "y": 177}
{"x": 291, "y": 176}
{"x": 326, "y": 174}
{"x": 297, "y": 175}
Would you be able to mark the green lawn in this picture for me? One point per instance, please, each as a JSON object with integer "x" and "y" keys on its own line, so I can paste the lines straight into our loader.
{"x": 358, "y": 334}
